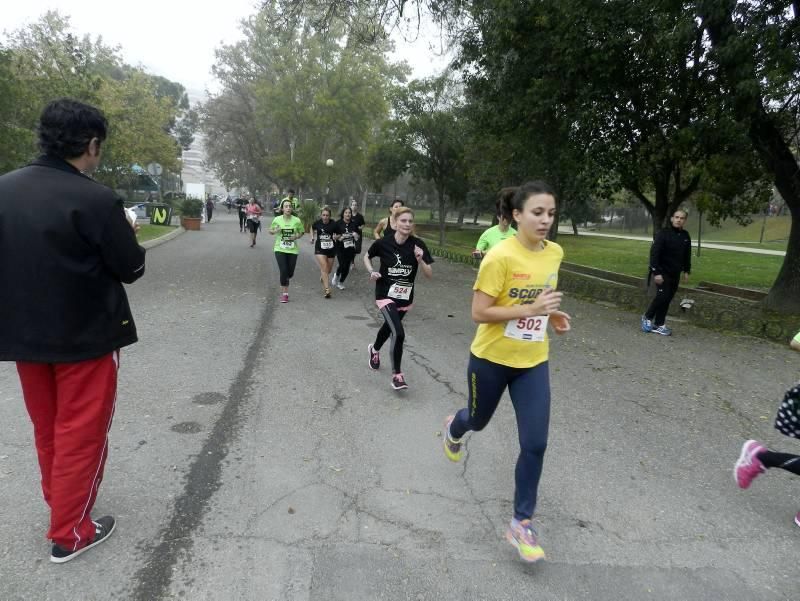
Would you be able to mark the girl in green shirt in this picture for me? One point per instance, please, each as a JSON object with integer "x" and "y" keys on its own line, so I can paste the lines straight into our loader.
{"x": 499, "y": 232}
{"x": 287, "y": 229}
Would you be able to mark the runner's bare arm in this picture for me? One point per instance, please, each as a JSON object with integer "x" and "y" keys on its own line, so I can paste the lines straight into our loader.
{"x": 379, "y": 228}
{"x": 485, "y": 311}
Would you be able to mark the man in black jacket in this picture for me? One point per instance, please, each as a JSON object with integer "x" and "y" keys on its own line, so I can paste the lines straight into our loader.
{"x": 66, "y": 247}
{"x": 670, "y": 255}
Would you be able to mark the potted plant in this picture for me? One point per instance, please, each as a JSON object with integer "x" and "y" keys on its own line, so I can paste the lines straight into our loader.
{"x": 191, "y": 210}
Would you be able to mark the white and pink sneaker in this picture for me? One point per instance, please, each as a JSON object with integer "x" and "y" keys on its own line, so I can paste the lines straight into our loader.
{"x": 284, "y": 297}
{"x": 749, "y": 466}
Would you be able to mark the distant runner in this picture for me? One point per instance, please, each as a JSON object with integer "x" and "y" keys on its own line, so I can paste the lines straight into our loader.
{"x": 346, "y": 239}
{"x": 497, "y": 233}
{"x": 324, "y": 246}
{"x": 253, "y": 215}
{"x": 287, "y": 229}
{"x": 386, "y": 226}
{"x": 358, "y": 220}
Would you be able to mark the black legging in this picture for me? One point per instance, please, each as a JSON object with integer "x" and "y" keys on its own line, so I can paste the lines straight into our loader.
{"x": 657, "y": 311}
{"x": 286, "y": 265}
{"x": 345, "y": 257}
{"x": 392, "y": 328}
{"x": 242, "y": 220}
{"x": 784, "y": 461}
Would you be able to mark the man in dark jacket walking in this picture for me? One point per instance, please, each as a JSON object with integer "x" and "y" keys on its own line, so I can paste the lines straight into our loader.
{"x": 66, "y": 247}
{"x": 670, "y": 255}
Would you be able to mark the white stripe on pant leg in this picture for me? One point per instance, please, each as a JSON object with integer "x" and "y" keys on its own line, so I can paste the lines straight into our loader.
{"x": 393, "y": 330}
{"x": 115, "y": 357}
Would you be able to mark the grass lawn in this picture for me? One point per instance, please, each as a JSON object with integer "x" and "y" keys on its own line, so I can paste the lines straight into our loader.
{"x": 631, "y": 256}
{"x": 776, "y": 231}
{"x": 148, "y": 232}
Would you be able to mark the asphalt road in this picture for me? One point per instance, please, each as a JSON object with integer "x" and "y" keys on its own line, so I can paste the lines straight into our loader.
{"x": 255, "y": 456}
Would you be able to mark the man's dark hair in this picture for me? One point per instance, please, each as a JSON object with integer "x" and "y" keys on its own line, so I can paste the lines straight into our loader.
{"x": 291, "y": 191}
{"x": 67, "y": 126}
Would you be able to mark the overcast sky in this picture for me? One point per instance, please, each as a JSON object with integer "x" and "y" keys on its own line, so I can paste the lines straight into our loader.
{"x": 175, "y": 38}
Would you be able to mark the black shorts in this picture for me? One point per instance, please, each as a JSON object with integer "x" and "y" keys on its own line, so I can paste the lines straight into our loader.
{"x": 330, "y": 253}
{"x": 253, "y": 226}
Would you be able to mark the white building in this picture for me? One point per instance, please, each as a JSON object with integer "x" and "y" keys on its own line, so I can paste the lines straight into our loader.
{"x": 194, "y": 160}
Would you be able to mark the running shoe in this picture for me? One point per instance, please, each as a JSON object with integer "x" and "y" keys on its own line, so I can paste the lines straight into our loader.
{"x": 327, "y": 293}
{"x": 522, "y": 535}
{"x": 334, "y": 279}
{"x": 647, "y": 325}
{"x": 749, "y": 466}
{"x": 340, "y": 286}
{"x": 452, "y": 448}
{"x": 399, "y": 382}
{"x": 797, "y": 518}
{"x": 103, "y": 528}
{"x": 663, "y": 330}
{"x": 284, "y": 297}
{"x": 374, "y": 357}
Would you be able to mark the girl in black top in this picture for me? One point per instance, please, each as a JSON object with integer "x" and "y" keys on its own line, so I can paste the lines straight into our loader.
{"x": 322, "y": 233}
{"x": 358, "y": 219}
{"x": 346, "y": 236}
{"x": 386, "y": 225}
{"x": 241, "y": 207}
{"x": 401, "y": 256}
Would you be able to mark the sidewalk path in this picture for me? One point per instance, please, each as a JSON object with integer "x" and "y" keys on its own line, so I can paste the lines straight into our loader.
{"x": 254, "y": 455}
{"x": 742, "y": 249}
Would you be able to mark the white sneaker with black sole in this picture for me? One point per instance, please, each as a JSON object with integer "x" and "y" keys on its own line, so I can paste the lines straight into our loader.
{"x": 103, "y": 527}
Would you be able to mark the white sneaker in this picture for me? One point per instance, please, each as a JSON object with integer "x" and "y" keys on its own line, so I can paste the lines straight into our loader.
{"x": 340, "y": 286}
{"x": 334, "y": 279}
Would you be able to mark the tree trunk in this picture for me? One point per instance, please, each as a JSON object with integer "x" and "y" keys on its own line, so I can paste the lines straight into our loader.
{"x": 574, "y": 227}
{"x": 661, "y": 208}
{"x": 461, "y": 217}
{"x": 475, "y": 219}
{"x": 739, "y": 75}
{"x": 784, "y": 296}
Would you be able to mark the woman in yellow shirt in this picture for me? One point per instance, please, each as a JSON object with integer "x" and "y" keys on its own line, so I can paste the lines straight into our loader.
{"x": 514, "y": 299}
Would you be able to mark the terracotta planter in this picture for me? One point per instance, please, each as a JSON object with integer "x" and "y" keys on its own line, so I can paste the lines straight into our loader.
{"x": 191, "y": 223}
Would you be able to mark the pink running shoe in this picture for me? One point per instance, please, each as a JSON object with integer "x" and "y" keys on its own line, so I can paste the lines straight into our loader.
{"x": 797, "y": 518}
{"x": 399, "y": 382}
{"x": 748, "y": 466}
{"x": 284, "y": 297}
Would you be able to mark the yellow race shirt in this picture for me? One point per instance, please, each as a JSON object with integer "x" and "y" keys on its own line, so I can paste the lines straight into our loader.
{"x": 514, "y": 275}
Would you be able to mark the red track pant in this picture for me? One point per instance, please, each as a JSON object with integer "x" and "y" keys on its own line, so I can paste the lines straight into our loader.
{"x": 71, "y": 406}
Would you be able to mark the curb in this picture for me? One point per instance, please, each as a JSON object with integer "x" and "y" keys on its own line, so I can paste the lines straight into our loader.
{"x": 165, "y": 238}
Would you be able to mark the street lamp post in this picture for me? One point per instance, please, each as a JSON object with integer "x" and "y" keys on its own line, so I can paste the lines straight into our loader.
{"x": 329, "y": 165}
